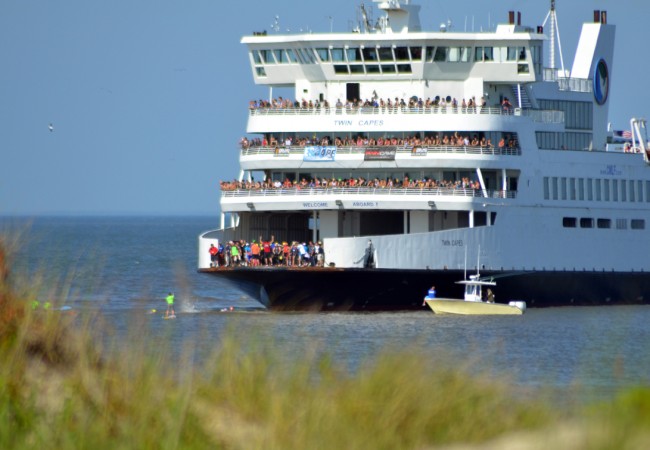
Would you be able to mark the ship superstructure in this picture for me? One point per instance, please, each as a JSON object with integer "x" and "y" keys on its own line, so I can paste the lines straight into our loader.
{"x": 435, "y": 144}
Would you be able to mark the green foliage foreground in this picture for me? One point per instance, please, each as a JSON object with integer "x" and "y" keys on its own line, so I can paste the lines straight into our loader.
{"x": 57, "y": 390}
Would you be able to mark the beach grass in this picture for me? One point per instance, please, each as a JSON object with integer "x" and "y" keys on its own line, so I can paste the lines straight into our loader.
{"x": 60, "y": 388}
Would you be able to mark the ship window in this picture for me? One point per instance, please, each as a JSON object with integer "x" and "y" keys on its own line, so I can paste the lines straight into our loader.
{"x": 292, "y": 56}
{"x": 388, "y": 68}
{"x": 338, "y": 55}
{"x": 555, "y": 188}
{"x": 356, "y": 68}
{"x": 606, "y": 190}
{"x": 577, "y": 115}
{"x": 416, "y": 53}
{"x": 303, "y": 56}
{"x": 647, "y": 191}
{"x": 372, "y": 68}
{"x": 621, "y": 224}
{"x": 614, "y": 190}
{"x": 604, "y": 223}
{"x": 572, "y": 188}
{"x": 323, "y": 54}
{"x": 404, "y": 68}
{"x": 623, "y": 190}
{"x": 341, "y": 69}
{"x": 260, "y": 71}
{"x": 484, "y": 54}
{"x": 429, "y": 54}
{"x": 454, "y": 54}
{"x": 632, "y": 192}
{"x": 598, "y": 196}
{"x": 354, "y": 54}
{"x": 402, "y": 53}
{"x": 569, "y": 222}
{"x": 516, "y": 54}
{"x": 523, "y": 69}
{"x": 256, "y": 57}
{"x": 311, "y": 55}
{"x": 386, "y": 54}
{"x": 281, "y": 56}
{"x": 637, "y": 224}
{"x": 586, "y": 222}
{"x": 581, "y": 188}
{"x": 440, "y": 54}
{"x": 563, "y": 188}
{"x": 639, "y": 191}
{"x": 590, "y": 189}
{"x": 546, "y": 188}
{"x": 267, "y": 56}
{"x": 370, "y": 54}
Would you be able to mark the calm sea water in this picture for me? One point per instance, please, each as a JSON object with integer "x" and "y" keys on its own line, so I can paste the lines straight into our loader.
{"x": 122, "y": 268}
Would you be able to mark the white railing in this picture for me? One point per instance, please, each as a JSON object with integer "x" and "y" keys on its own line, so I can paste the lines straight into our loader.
{"x": 341, "y": 191}
{"x": 406, "y": 110}
{"x": 403, "y": 150}
{"x": 567, "y": 83}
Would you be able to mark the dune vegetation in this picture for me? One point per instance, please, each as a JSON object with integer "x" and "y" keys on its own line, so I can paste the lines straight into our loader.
{"x": 60, "y": 389}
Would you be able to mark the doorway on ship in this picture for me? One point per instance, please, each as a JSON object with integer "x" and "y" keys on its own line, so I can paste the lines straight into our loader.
{"x": 352, "y": 91}
{"x": 381, "y": 222}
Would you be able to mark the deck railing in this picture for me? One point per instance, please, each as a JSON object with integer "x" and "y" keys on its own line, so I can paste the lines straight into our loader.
{"x": 536, "y": 115}
{"x": 282, "y": 150}
{"x": 344, "y": 191}
{"x": 567, "y": 83}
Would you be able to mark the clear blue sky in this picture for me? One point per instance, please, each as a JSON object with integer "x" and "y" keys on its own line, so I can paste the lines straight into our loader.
{"x": 149, "y": 98}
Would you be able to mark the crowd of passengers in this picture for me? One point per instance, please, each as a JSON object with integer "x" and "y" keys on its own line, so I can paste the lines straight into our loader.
{"x": 324, "y": 183}
{"x": 446, "y": 140}
{"x": 267, "y": 253}
{"x": 413, "y": 102}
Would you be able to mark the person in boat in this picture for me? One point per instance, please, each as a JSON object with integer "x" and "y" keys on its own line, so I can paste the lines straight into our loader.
{"x": 490, "y": 296}
{"x": 431, "y": 294}
{"x": 170, "y": 305}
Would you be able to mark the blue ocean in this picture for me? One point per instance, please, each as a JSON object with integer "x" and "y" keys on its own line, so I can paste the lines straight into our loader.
{"x": 121, "y": 269}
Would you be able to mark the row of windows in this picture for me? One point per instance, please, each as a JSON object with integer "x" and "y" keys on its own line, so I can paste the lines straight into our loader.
{"x": 577, "y": 115}
{"x": 344, "y": 69}
{"x": 394, "y": 54}
{"x": 563, "y": 141}
{"x": 589, "y": 222}
{"x": 596, "y": 189}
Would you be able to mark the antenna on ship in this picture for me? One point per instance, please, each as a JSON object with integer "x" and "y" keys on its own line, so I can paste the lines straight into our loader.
{"x": 555, "y": 30}
{"x": 276, "y": 24}
{"x": 367, "y": 26}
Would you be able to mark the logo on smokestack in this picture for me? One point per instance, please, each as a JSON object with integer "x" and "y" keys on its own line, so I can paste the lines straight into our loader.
{"x": 601, "y": 82}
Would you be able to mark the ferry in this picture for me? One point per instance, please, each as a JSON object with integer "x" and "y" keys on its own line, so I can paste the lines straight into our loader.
{"x": 412, "y": 148}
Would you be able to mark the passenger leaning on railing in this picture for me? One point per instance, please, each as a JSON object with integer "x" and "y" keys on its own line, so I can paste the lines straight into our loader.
{"x": 360, "y": 182}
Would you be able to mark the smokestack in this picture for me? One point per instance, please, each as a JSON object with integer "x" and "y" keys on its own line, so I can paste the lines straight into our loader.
{"x": 596, "y": 16}
{"x": 518, "y": 18}
{"x": 603, "y": 17}
{"x": 511, "y": 17}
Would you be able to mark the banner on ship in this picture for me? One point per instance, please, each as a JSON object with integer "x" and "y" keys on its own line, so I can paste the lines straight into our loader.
{"x": 418, "y": 151}
{"x": 379, "y": 154}
{"x": 320, "y": 153}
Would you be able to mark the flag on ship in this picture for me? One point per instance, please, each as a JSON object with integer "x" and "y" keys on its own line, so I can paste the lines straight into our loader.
{"x": 622, "y": 135}
{"x": 625, "y": 134}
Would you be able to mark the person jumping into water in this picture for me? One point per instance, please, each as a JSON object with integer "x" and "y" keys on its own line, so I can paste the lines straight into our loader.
{"x": 170, "y": 305}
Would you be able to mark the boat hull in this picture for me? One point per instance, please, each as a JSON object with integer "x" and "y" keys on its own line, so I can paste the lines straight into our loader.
{"x": 455, "y": 306}
{"x": 354, "y": 289}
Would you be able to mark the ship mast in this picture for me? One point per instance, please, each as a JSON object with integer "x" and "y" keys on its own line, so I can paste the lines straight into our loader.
{"x": 555, "y": 30}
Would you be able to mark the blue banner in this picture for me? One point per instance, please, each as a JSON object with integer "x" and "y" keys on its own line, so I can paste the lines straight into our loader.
{"x": 318, "y": 153}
